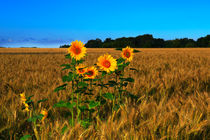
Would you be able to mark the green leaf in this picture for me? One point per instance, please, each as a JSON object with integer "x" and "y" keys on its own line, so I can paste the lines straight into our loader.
{"x": 97, "y": 80}
{"x": 85, "y": 123}
{"x": 127, "y": 63}
{"x": 67, "y": 66}
{"x": 29, "y": 101}
{"x": 129, "y": 79}
{"x": 83, "y": 108}
{"x": 134, "y": 69}
{"x": 31, "y": 119}
{"x": 91, "y": 110}
{"x": 62, "y": 87}
{"x": 110, "y": 72}
{"x": 111, "y": 83}
{"x": 120, "y": 60}
{"x": 82, "y": 84}
{"x": 132, "y": 95}
{"x": 73, "y": 61}
{"x": 68, "y": 56}
{"x": 87, "y": 79}
{"x": 59, "y": 104}
{"x": 35, "y": 117}
{"x": 120, "y": 67}
{"x": 81, "y": 90}
{"x": 102, "y": 85}
{"x": 93, "y": 104}
{"x": 70, "y": 106}
{"x": 29, "y": 98}
{"x": 108, "y": 95}
{"x": 64, "y": 104}
{"x": 68, "y": 78}
{"x": 64, "y": 65}
{"x": 124, "y": 84}
{"x": 80, "y": 61}
{"x": 25, "y": 137}
{"x": 64, "y": 129}
{"x": 70, "y": 122}
{"x": 103, "y": 73}
{"x": 121, "y": 90}
{"x": 102, "y": 102}
{"x": 43, "y": 100}
{"x": 116, "y": 107}
{"x": 40, "y": 116}
{"x": 136, "y": 51}
{"x": 65, "y": 78}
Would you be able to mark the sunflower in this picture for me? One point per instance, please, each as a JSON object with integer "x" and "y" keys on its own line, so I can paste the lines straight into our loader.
{"x": 23, "y": 97}
{"x": 107, "y": 63}
{"x": 91, "y": 73}
{"x": 26, "y": 105}
{"x": 23, "y": 100}
{"x": 26, "y": 109}
{"x": 77, "y": 50}
{"x": 81, "y": 69}
{"x": 44, "y": 112}
{"x": 127, "y": 53}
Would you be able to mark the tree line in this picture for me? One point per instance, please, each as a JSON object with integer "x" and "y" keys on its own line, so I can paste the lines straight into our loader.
{"x": 147, "y": 41}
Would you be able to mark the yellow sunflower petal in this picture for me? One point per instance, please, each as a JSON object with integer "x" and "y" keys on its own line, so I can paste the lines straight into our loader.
{"x": 22, "y": 94}
{"x": 45, "y": 113}
{"x": 107, "y": 63}
{"x": 80, "y": 69}
{"x": 77, "y": 50}
{"x": 26, "y": 105}
{"x": 23, "y": 97}
{"x": 92, "y": 73}
{"x": 26, "y": 109}
{"x": 127, "y": 53}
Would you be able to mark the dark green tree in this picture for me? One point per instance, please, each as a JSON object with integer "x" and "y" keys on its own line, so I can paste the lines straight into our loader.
{"x": 204, "y": 41}
{"x": 94, "y": 43}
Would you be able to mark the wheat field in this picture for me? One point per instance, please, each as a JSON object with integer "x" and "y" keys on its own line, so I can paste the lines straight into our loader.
{"x": 172, "y": 86}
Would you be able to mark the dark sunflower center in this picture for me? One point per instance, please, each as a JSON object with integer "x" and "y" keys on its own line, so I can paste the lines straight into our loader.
{"x": 107, "y": 64}
{"x": 127, "y": 54}
{"x": 90, "y": 73}
{"x": 77, "y": 50}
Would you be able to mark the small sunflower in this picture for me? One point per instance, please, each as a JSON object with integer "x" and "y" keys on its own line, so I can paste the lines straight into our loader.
{"x": 26, "y": 105}
{"x": 26, "y": 109}
{"x": 23, "y": 101}
{"x": 45, "y": 113}
{"x": 23, "y": 97}
{"x": 107, "y": 63}
{"x": 81, "y": 69}
{"x": 127, "y": 53}
{"x": 77, "y": 50}
{"x": 91, "y": 73}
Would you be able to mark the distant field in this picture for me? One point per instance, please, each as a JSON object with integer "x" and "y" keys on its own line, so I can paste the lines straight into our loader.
{"x": 173, "y": 86}
{"x": 146, "y": 50}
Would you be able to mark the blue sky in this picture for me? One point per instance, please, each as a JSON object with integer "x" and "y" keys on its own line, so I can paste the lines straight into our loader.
{"x": 29, "y": 22}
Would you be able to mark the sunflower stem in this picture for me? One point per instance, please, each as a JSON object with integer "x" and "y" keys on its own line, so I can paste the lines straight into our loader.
{"x": 115, "y": 87}
{"x": 72, "y": 101}
{"x": 100, "y": 92}
{"x": 78, "y": 112}
{"x": 121, "y": 82}
{"x": 36, "y": 132}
